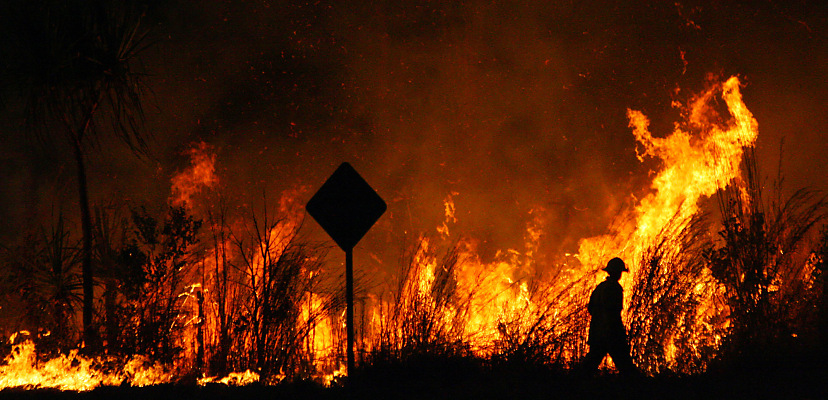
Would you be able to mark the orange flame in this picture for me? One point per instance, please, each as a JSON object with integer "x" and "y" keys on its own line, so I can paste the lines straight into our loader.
{"x": 74, "y": 372}
{"x": 698, "y": 159}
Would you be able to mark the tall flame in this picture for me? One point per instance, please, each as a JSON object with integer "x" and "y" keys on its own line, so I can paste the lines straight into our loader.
{"x": 699, "y": 158}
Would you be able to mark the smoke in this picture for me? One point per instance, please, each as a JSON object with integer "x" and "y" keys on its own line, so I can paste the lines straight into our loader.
{"x": 514, "y": 106}
{"x": 200, "y": 175}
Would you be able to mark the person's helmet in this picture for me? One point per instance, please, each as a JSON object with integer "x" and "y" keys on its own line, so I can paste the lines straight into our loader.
{"x": 616, "y": 265}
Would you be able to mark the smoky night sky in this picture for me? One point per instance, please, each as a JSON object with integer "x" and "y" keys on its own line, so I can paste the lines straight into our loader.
{"x": 514, "y": 106}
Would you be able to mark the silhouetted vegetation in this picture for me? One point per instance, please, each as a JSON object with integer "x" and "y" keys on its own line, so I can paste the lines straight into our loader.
{"x": 73, "y": 63}
{"x": 246, "y": 292}
{"x": 273, "y": 316}
{"x": 549, "y": 328}
{"x": 153, "y": 265}
{"x": 426, "y": 313}
{"x": 668, "y": 331}
{"x": 251, "y": 295}
{"x": 763, "y": 264}
{"x": 820, "y": 259}
{"x": 42, "y": 273}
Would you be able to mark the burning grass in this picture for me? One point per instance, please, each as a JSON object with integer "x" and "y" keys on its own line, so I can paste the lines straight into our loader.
{"x": 199, "y": 291}
{"x": 75, "y": 372}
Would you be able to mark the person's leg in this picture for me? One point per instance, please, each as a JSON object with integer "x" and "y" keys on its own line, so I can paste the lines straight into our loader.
{"x": 620, "y": 354}
{"x": 593, "y": 359}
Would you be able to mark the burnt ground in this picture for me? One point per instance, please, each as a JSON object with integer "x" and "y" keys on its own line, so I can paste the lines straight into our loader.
{"x": 460, "y": 379}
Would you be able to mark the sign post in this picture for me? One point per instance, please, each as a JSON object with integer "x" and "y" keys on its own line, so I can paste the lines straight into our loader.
{"x": 346, "y": 207}
{"x": 349, "y": 306}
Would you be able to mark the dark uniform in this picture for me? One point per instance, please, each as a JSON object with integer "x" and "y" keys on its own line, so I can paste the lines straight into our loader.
{"x": 606, "y": 330}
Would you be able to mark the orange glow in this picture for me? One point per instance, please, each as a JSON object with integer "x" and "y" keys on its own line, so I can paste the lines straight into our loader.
{"x": 482, "y": 304}
{"x": 75, "y": 372}
{"x": 700, "y": 157}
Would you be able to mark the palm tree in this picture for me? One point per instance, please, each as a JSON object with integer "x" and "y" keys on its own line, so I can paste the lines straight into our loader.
{"x": 42, "y": 271}
{"x": 74, "y": 64}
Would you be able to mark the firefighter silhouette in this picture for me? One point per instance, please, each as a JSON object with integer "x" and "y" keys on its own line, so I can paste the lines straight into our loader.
{"x": 607, "y": 334}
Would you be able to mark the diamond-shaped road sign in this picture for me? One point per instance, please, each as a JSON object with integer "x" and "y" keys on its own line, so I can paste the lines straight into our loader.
{"x": 346, "y": 207}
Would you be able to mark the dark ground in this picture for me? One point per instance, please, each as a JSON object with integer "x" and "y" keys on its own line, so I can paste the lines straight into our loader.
{"x": 462, "y": 379}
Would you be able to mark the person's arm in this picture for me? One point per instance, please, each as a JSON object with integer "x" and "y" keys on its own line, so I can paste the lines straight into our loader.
{"x": 616, "y": 302}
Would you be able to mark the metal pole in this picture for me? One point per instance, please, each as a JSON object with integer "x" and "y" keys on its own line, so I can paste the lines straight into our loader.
{"x": 200, "y": 333}
{"x": 349, "y": 313}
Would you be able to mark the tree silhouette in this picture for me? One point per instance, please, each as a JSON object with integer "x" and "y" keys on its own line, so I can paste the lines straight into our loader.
{"x": 42, "y": 271}
{"x": 73, "y": 63}
{"x": 153, "y": 273}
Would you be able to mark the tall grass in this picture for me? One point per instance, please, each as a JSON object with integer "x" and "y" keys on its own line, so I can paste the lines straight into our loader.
{"x": 265, "y": 295}
{"x": 426, "y": 313}
{"x": 549, "y": 329}
{"x": 820, "y": 261}
{"x": 441, "y": 306}
{"x": 762, "y": 262}
{"x": 249, "y": 292}
{"x": 671, "y": 327}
